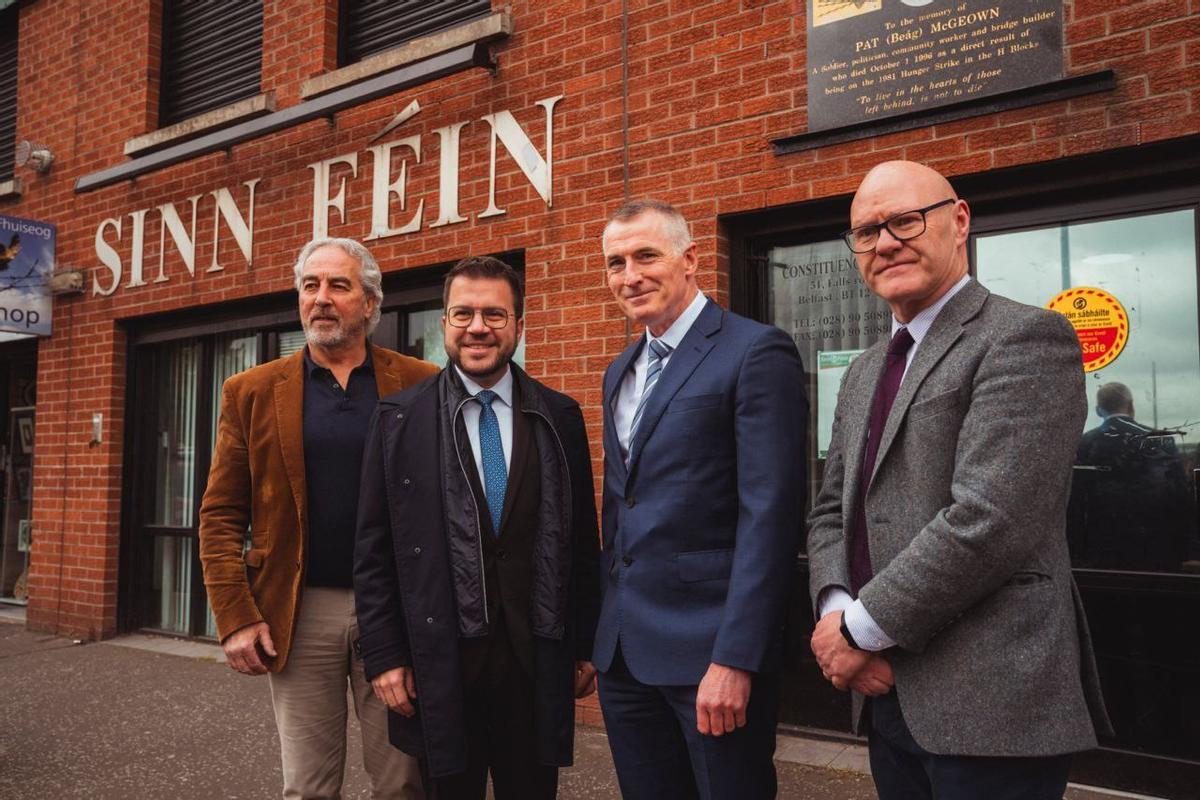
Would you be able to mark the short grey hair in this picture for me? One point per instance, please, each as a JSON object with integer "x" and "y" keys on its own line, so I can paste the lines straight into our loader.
{"x": 368, "y": 269}
{"x": 674, "y": 225}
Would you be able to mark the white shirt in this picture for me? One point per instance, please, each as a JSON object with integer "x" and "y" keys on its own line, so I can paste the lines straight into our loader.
{"x": 630, "y": 393}
{"x": 503, "y": 407}
{"x": 866, "y": 632}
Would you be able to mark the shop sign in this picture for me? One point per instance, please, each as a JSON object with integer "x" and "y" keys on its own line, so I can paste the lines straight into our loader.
{"x": 26, "y": 262}
{"x": 389, "y": 191}
{"x": 873, "y": 59}
{"x": 1099, "y": 320}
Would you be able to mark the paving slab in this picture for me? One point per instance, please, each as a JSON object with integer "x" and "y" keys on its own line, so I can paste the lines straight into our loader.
{"x": 152, "y": 717}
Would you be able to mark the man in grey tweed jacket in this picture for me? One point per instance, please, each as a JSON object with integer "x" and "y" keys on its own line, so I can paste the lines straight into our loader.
{"x": 937, "y": 550}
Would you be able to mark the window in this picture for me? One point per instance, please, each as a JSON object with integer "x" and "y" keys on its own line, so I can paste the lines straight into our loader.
{"x": 367, "y": 27}
{"x": 8, "y": 91}
{"x": 211, "y": 56}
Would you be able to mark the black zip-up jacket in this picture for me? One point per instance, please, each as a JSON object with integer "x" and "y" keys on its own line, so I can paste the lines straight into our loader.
{"x": 418, "y": 569}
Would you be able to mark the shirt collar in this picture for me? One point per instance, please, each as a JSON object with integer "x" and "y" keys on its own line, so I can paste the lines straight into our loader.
{"x": 679, "y": 328}
{"x": 311, "y": 366}
{"x": 503, "y": 387}
{"x": 920, "y": 324}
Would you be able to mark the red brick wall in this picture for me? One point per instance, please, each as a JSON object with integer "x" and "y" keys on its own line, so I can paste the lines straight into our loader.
{"x": 710, "y": 84}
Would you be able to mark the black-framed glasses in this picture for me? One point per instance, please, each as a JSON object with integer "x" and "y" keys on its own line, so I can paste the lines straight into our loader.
{"x": 903, "y": 226}
{"x": 463, "y": 316}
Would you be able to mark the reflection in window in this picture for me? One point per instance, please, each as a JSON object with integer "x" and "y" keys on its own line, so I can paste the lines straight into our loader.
{"x": 171, "y": 593}
{"x": 424, "y": 339}
{"x": 1132, "y": 504}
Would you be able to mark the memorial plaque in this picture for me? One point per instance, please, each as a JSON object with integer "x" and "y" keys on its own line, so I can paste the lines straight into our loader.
{"x": 873, "y": 59}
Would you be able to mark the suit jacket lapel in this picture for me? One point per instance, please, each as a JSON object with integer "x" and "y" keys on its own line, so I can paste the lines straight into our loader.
{"x": 614, "y": 378}
{"x": 692, "y": 350}
{"x": 946, "y": 330}
{"x": 289, "y": 419}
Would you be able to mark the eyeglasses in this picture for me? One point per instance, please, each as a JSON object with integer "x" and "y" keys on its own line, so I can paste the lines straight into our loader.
{"x": 462, "y": 317}
{"x": 903, "y": 226}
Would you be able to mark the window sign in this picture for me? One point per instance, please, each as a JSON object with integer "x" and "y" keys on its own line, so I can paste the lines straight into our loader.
{"x": 26, "y": 261}
{"x": 818, "y": 296}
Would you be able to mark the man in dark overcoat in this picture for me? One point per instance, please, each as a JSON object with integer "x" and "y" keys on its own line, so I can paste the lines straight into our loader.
{"x": 475, "y": 563}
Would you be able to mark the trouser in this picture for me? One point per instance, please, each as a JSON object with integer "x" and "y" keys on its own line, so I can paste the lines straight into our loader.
{"x": 903, "y": 770}
{"x": 309, "y": 697}
{"x": 660, "y": 755}
{"x": 500, "y": 731}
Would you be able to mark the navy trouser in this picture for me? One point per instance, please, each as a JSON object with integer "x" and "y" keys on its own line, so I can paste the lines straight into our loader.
{"x": 903, "y": 770}
{"x": 659, "y": 754}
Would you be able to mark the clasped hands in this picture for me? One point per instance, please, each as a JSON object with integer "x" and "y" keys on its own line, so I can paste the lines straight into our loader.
{"x": 845, "y": 667}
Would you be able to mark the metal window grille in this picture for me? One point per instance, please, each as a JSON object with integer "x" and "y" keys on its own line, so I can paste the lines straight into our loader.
{"x": 8, "y": 91}
{"x": 367, "y": 27}
{"x": 211, "y": 56}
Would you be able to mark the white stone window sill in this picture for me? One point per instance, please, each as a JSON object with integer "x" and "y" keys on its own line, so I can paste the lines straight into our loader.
{"x": 201, "y": 124}
{"x": 497, "y": 25}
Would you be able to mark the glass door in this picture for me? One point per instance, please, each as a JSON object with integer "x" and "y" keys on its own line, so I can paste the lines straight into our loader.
{"x": 1132, "y": 522}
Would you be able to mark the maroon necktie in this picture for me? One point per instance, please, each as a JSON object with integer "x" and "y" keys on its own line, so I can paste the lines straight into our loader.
{"x": 885, "y": 395}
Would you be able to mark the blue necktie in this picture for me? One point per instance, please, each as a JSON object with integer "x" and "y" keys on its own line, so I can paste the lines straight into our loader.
{"x": 658, "y": 351}
{"x": 495, "y": 471}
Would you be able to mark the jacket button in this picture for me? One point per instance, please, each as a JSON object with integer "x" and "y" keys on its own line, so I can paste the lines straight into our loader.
{"x": 429, "y": 620}
{"x": 502, "y": 554}
{"x": 417, "y": 550}
{"x": 407, "y": 482}
{"x": 627, "y": 561}
{"x": 400, "y": 415}
{"x": 629, "y": 501}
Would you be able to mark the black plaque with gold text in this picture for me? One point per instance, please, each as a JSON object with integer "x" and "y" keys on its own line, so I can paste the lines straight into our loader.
{"x": 873, "y": 59}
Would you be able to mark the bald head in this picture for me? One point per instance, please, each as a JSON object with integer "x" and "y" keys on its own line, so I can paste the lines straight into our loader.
{"x": 890, "y": 175}
{"x": 1114, "y": 398}
{"x": 922, "y": 225}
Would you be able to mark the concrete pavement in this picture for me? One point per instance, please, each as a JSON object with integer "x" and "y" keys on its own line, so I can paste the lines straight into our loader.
{"x": 153, "y": 717}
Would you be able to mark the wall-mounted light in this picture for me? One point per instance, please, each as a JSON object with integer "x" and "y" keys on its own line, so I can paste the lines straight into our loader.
{"x": 36, "y": 156}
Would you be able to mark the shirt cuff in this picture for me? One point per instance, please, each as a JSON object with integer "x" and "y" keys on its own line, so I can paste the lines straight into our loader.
{"x": 862, "y": 627}
{"x": 833, "y": 598}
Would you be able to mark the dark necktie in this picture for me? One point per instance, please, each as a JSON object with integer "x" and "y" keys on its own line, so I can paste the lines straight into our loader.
{"x": 491, "y": 451}
{"x": 885, "y": 395}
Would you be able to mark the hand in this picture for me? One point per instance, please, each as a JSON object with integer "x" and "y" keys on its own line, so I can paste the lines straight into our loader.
{"x": 585, "y": 678}
{"x": 242, "y": 648}
{"x": 397, "y": 688}
{"x": 840, "y": 663}
{"x": 721, "y": 700}
{"x": 875, "y": 678}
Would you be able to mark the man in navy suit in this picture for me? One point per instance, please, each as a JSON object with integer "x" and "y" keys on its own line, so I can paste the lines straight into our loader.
{"x": 705, "y": 420}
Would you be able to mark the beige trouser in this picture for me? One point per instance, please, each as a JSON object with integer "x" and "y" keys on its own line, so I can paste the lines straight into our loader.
{"x": 309, "y": 696}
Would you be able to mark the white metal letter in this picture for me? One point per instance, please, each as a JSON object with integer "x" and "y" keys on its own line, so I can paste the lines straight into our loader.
{"x": 137, "y": 248}
{"x": 108, "y": 257}
{"x": 185, "y": 242}
{"x": 539, "y": 171}
{"x": 382, "y": 191}
{"x": 321, "y": 200}
{"x": 448, "y": 175}
{"x": 243, "y": 231}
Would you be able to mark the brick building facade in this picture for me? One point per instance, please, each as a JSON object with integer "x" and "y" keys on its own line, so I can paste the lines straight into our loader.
{"x": 557, "y": 112}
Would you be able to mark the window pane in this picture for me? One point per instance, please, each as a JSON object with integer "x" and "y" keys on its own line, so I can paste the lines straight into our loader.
{"x": 176, "y": 365}
{"x": 171, "y": 587}
{"x": 291, "y": 342}
{"x": 817, "y": 295}
{"x": 1133, "y": 503}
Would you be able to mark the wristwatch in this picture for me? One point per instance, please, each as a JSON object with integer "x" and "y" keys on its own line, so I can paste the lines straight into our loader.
{"x": 847, "y": 635}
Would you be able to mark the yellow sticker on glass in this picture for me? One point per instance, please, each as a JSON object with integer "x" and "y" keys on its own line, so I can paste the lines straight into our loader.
{"x": 1099, "y": 320}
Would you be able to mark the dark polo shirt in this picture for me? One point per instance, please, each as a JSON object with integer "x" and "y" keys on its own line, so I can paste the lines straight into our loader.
{"x": 335, "y": 431}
